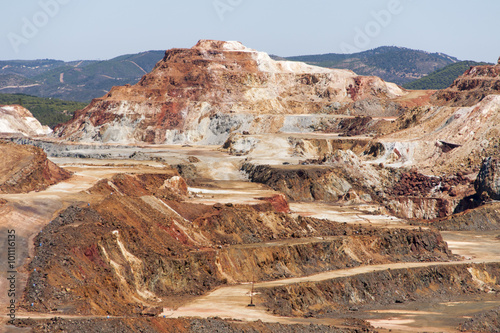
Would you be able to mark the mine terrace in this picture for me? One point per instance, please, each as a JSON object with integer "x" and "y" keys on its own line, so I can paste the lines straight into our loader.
{"x": 332, "y": 202}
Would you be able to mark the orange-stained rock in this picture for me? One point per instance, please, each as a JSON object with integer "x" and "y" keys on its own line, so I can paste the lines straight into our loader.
{"x": 177, "y": 184}
{"x": 204, "y": 93}
{"x": 26, "y": 168}
{"x": 279, "y": 203}
{"x": 471, "y": 88}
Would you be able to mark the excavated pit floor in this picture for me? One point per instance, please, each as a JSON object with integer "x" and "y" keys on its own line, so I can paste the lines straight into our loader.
{"x": 232, "y": 301}
{"x": 434, "y": 317}
{"x": 29, "y": 213}
{"x": 364, "y": 214}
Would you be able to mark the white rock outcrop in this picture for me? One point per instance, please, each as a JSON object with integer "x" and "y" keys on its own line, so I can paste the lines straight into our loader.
{"x": 15, "y": 119}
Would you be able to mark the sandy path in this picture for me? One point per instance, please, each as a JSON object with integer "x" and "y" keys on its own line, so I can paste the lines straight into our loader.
{"x": 356, "y": 214}
{"x": 232, "y": 301}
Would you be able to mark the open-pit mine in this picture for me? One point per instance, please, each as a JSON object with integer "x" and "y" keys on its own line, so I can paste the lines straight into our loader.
{"x": 228, "y": 192}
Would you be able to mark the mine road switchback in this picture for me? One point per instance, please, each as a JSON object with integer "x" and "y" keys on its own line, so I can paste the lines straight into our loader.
{"x": 223, "y": 182}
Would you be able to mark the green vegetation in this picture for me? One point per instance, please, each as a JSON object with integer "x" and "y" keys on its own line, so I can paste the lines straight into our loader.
{"x": 444, "y": 77}
{"x": 48, "y": 111}
{"x": 28, "y": 68}
{"x": 8, "y": 80}
{"x": 84, "y": 80}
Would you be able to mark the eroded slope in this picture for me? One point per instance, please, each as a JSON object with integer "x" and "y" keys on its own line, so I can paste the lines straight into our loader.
{"x": 17, "y": 120}
{"x": 204, "y": 93}
{"x": 142, "y": 247}
{"x": 26, "y": 168}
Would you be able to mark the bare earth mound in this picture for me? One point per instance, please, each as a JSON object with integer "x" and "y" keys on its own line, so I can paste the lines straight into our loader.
{"x": 26, "y": 168}
{"x": 204, "y": 93}
{"x": 17, "y": 120}
{"x": 143, "y": 248}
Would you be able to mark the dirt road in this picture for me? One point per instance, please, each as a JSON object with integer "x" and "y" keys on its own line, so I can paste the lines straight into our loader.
{"x": 29, "y": 213}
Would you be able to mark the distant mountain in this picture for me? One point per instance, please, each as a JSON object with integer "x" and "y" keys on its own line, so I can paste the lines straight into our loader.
{"x": 444, "y": 77}
{"x": 77, "y": 80}
{"x": 87, "y": 79}
{"x": 29, "y": 68}
{"x": 14, "y": 80}
{"x": 394, "y": 64}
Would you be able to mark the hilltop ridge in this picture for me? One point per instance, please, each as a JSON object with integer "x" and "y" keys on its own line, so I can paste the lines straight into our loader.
{"x": 216, "y": 88}
{"x": 84, "y": 80}
{"x": 391, "y": 63}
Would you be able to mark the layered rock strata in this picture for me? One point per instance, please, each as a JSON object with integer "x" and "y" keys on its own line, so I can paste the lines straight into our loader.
{"x": 470, "y": 88}
{"x": 215, "y": 88}
{"x": 143, "y": 247}
{"x": 26, "y": 168}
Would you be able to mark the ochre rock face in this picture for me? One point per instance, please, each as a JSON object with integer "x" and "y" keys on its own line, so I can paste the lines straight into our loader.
{"x": 488, "y": 179}
{"x": 140, "y": 242}
{"x": 470, "y": 88}
{"x": 26, "y": 168}
{"x": 206, "y": 92}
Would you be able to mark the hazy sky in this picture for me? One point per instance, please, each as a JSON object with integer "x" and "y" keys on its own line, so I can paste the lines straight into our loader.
{"x": 102, "y": 29}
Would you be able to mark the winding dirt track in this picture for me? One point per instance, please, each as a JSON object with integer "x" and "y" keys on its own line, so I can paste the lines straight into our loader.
{"x": 29, "y": 213}
{"x": 232, "y": 301}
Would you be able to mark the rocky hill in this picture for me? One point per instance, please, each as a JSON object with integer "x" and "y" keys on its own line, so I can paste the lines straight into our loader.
{"x": 472, "y": 87}
{"x": 24, "y": 168}
{"x": 394, "y": 64}
{"x": 443, "y": 77}
{"x": 216, "y": 88}
{"x": 84, "y": 80}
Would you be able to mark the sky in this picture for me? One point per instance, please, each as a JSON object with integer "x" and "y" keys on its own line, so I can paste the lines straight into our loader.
{"x": 103, "y": 29}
